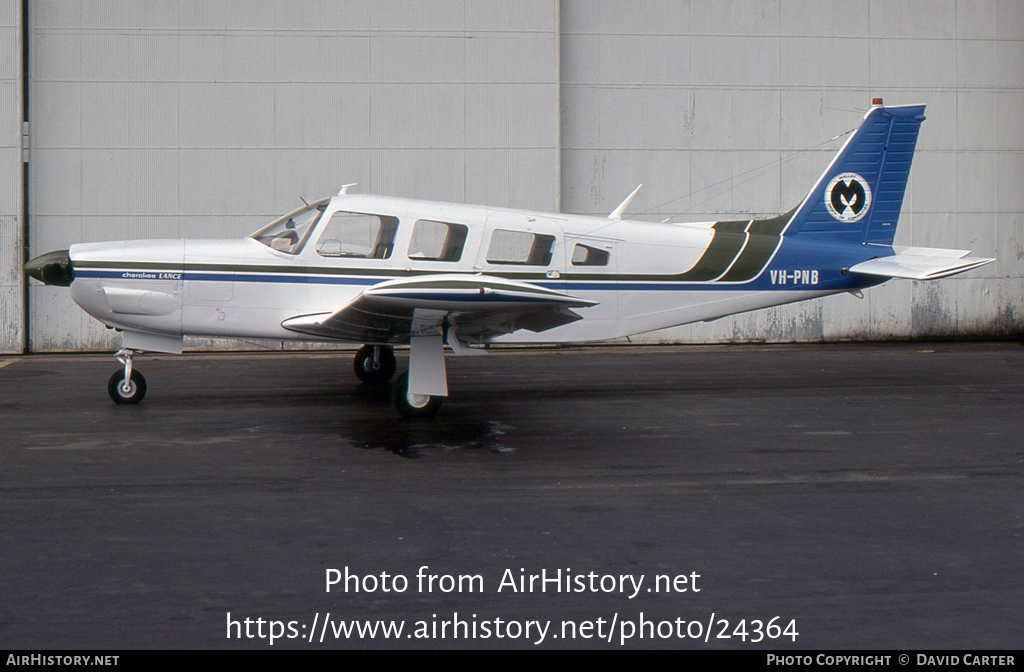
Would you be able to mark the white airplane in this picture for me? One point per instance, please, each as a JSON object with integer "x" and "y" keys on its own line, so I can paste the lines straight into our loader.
{"x": 385, "y": 271}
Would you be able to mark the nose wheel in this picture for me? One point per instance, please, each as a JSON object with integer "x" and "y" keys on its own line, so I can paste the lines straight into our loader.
{"x": 126, "y": 386}
{"x": 375, "y": 364}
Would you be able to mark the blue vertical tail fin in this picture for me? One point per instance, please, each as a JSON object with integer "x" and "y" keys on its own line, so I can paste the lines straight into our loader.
{"x": 858, "y": 197}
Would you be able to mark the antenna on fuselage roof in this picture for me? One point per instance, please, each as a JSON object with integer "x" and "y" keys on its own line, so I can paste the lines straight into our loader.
{"x": 617, "y": 212}
{"x": 344, "y": 188}
{"x": 304, "y": 201}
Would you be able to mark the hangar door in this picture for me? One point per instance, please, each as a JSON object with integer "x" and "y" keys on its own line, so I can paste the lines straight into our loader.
{"x": 209, "y": 119}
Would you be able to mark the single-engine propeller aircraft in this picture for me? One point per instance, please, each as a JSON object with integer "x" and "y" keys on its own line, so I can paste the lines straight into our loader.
{"x": 383, "y": 271}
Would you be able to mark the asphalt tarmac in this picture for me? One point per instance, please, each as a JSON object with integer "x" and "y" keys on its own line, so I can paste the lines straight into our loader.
{"x": 869, "y": 494}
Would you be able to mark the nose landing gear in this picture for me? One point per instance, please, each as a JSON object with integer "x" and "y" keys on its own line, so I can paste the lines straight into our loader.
{"x": 126, "y": 386}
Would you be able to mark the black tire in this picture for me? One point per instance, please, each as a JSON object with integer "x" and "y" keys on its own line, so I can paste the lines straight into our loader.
{"x": 426, "y": 407}
{"x": 135, "y": 393}
{"x": 370, "y": 373}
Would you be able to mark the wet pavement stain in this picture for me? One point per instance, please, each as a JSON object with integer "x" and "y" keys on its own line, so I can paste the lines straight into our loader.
{"x": 411, "y": 438}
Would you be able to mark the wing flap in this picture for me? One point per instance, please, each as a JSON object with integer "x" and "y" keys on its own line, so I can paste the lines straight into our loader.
{"x": 920, "y": 263}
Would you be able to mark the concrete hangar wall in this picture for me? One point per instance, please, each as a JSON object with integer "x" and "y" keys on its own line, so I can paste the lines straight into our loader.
{"x": 206, "y": 119}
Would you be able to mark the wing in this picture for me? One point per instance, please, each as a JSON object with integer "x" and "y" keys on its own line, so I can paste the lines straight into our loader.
{"x": 920, "y": 263}
{"x": 479, "y": 307}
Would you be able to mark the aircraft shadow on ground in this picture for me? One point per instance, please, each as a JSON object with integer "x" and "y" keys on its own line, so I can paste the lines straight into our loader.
{"x": 456, "y": 429}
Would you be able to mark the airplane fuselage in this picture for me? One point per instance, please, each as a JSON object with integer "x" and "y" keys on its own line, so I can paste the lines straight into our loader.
{"x": 642, "y": 276}
{"x": 381, "y": 271}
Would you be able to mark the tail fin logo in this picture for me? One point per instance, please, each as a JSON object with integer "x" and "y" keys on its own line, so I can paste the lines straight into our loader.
{"x": 848, "y": 197}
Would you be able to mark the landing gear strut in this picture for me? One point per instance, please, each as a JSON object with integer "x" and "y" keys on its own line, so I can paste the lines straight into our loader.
{"x": 419, "y": 392}
{"x": 413, "y": 405}
{"x": 126, "y": 386}
{"x": 375, "y": 364}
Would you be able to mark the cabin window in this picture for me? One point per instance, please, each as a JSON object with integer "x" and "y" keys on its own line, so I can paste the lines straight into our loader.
{"x": 520, "y": 247}
{"x": 352, "y": 234}
{"x": 584, "y": 255}
{"x": 437, "y": 241}
{"x": 288, "y": 234}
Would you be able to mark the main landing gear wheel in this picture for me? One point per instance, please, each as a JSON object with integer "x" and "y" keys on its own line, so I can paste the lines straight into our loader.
{"x": 375, "y": 364}
{"x": 130, "y": 393}
{"x": 413, "y": 405}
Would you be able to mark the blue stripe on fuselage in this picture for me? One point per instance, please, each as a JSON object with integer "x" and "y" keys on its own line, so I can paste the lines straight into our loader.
{"x": 791, "y": 260}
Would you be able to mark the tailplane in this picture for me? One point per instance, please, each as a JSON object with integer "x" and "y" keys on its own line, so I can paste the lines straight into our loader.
{"x": 920, "y": 263}
{"x": 858, "y": 197}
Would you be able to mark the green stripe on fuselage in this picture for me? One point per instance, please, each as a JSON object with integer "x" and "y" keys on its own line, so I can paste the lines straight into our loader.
{"x": 725, "y": 245}
{"x": 764, "y": 239}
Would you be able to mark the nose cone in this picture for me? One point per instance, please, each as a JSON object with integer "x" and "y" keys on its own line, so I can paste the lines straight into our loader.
{"x": 52, "y": 268}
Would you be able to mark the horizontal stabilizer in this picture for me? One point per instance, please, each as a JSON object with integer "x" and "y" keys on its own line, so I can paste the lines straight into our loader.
{"x": 920, "y": 263}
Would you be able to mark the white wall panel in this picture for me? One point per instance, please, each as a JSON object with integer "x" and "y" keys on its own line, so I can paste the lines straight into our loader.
{"x": 740, "y": 101}
{"x": 928, "y": 194}
{"x": 666, "y": 59}
{"x": 11, "y": 183}
{"x": 63, "y": 49}
{"x": 61, "y": 181}
{"x": 155, "y": 118}
{"x": 155, "y": 56}
{"x": 580, "y": 64}
{"x": 331, "y": 16}
{"x": 105, "y": 56}
{"x": 734, "y": 17}
{"x": 105, "y": 227}
{"x": 11, "y": 192}
{"x": 153, "y": 110}
{"x": 61, "y": 103}
{"x": 989, "y": 19}
{"x": 206, "y": 119}
{"x": 813, "y": 61}
{"x": 915, "y": 19}
{"x": 618, "y": 109}
{"x": 656, "y": 18}
{"x": 943, "y": 125}
{"x": 1009, "y": 194}
{"x": 733, "y": 60}
{"x": 338, "y": 58}
{"x": 671, "y": 104}
{"x": 159, "y": 13}
{"x": 911, "y": 64}
{"x": 975, "y": 181}
{"x": 104, "y": 175}
{"x": 1009, "y": 111}
{"x": 517, "y": 15}
{"x": 990, "y": 63}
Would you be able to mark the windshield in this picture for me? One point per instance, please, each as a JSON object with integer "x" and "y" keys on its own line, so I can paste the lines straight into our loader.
{"x": 289, "y": 233}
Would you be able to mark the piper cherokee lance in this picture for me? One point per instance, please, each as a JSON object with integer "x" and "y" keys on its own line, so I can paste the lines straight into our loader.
{"x": 383, "y": 271}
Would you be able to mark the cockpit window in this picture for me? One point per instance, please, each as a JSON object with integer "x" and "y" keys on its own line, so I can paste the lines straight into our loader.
{"x": 289, "y": 233}
{"x": 352, "y": 234}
